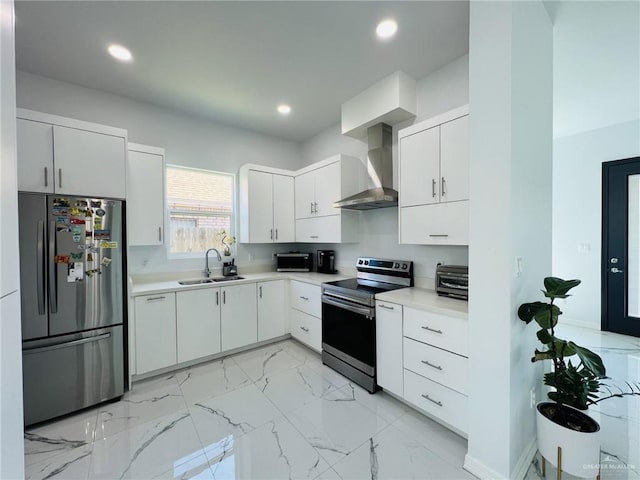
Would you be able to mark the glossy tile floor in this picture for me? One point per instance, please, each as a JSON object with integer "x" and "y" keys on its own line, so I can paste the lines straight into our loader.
{"x": 271, "y": 413}
{"x": 278, "y": 413}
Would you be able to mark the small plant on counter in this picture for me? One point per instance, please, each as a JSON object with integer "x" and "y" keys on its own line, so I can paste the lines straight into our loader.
{"x": 226, "y": 241}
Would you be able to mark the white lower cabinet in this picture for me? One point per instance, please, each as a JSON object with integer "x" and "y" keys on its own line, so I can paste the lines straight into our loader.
{"x": 389, "y": 347}
{"x": 239, "y": 316}
{"x": 307, "y": 329}
{"x": 272, "y": 310}
{"x": 198, "y": 323}
{"x": 155, "y": 332}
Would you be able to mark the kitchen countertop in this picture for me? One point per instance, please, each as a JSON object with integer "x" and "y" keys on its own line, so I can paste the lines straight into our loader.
{"x": 151, "y": 287}
{"x": 425, "y": 299}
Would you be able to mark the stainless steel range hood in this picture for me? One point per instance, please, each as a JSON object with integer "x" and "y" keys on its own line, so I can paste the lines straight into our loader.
{"x": 380, "y": 167}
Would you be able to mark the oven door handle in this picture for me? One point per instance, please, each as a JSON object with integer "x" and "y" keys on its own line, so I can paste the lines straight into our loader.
{"x": 367, "y": 312}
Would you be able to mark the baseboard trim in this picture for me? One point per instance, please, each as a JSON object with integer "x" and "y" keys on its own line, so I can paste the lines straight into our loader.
{"x": 483, "y": 472}
{"x": 522, "y": 467}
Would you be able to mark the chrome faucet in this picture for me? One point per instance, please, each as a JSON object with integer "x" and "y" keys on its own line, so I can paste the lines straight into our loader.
{"x": 207, "y": 271}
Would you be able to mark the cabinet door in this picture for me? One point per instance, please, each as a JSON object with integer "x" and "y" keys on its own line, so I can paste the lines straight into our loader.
{"x": 454, "y": 160}
{"x": 284, "y": 222}
{"x": 328, "y": 182}
{"x": 441, "y": 224}
{"x": 88, "y": 163}
{"x": 307, "y": 329}
{"x": 389, "y": 347}
{"x": 198, "y": 323}
{"x": 272, "y": 310}
{"x": 260, "y": 207}
{"x": 35, "y": 156}
{"x": 145, "y": 198}
{"x": 239, "y": 316}
{"x": 155, "y": 319}
{"x": 420, "y": 168}
{"x": 305, "y": 195}
{"x": 319, "y": 230}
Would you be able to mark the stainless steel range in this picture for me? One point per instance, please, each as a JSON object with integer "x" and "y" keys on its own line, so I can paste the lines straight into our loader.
{"x": 349, "y": 317}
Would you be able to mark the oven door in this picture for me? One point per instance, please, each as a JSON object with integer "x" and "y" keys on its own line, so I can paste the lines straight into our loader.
{"x": 349, "y": 333}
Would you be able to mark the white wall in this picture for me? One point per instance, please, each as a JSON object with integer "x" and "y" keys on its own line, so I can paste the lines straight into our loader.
{"x": 188, "y": 141}
{"x": 510, "y": 93}
{"x": 443, "y": 90}
{"x": 11, "y": 428}
{"x": 596, "y": 119}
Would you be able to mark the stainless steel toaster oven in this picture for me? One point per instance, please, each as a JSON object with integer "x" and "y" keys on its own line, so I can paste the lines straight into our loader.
{"x": 294, "y": 262}
{"x": 453, "y": 281}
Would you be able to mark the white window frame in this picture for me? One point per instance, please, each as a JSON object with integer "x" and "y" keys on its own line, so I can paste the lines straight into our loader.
{"x": 234, "y": 217}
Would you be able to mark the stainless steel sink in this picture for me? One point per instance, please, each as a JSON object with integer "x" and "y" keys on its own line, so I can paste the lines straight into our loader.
{"x": 227, "y": 279}
{"x": 197, "y": 281}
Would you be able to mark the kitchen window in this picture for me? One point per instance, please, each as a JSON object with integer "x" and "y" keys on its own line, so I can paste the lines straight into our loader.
{"x": 201, "y": 209}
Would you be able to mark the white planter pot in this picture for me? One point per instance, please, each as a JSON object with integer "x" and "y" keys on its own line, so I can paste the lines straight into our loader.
{"x": 580, "y": 450}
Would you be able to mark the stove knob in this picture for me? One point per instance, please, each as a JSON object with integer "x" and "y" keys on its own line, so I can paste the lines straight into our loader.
{"x": 396, "y": 265}
{"x": 359, "y": 262}
{"x": 366, "y": 262}
{"x": 404, "y": 266}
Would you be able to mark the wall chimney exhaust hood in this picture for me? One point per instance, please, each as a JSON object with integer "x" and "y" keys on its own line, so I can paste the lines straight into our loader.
{"x": 390, "y": 101}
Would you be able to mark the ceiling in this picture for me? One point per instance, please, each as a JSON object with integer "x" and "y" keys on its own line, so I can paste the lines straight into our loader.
{"x": 234, "y": 62}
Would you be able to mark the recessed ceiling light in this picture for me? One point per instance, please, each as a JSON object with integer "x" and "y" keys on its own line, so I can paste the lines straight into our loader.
{"x": 386, "y": 28}
{"x": 284, "y": 109}
{"x": 120, "y": 53}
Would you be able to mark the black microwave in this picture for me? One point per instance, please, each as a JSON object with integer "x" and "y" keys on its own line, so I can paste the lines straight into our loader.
{"x": 294, "y": 262}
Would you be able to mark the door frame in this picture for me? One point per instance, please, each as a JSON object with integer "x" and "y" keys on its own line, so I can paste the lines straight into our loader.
{"x": 604, "y": 257}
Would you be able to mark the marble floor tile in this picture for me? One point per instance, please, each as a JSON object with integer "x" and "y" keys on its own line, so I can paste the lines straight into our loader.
{"x": 147, "y": 450}
{"x": 70, "y": 465}
{"x": 265, "y": 361}
{"x": 335, "y": 427}
{"x": 195, "y": 468}
{"x": 54, "y": 438}
{"x": 393, "y": 455}
{"x": 329, "y": 474}
{"x": 275, "y": 451}
{"x": 232, "y": 414}
{"x": 211, "y": 379}
{"x": 148, "y": 400}
{"x": 379, "y": 403}
{"x": 294, "y": 388}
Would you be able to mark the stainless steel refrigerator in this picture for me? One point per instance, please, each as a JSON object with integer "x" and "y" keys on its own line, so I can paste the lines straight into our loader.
{"x": 72, "y": 278}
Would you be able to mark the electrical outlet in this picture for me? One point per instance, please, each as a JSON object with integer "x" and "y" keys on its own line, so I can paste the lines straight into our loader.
{"x": 532, "y": 402}
{"x": 519, "y": 266}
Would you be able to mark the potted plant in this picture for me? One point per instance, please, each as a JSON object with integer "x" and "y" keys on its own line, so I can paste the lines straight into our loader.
{"x": 226, "y": 241}
{"x": 567, "y": 437}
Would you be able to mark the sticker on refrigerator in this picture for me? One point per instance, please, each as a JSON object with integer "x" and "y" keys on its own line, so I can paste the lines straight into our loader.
{"x": 81, "y": 204}
{"x": 63, "y": 229}
{"x": 76, "y": 256}
{"x": 89, "y": 257}
{"x": 76, "y": 272}
{"x": 76, "y": 211}
{"x": 61, "y": 202}
{"x": 100, "y": 212}
{"x": 105, "y": 261}
{"x": 95, "y": 204}
{"x": 103, "y": 235}
{"x": 88, "y": 213}
{"x": 77, "y": 237}
{"x": 62, "y": 259}
{"x": 77, "y": 221}
{"x": 97, "y": 223}
{"x": 92, "y": 272}
{"x": 77, "y": 230}
{"x": 109, "y": 244}
{"x": 62, "y": 220}
{"x": 60, "y": 210}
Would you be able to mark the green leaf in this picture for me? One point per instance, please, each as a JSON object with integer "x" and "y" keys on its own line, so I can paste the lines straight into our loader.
{"x": 528, "y": 311}
{"x": 564, "y": 348}
{"x": 547, "y": 317}
{"x": 557, "y": 287}
{"x": 591, "y": 361}
{"x": 541, "y": 356}
{"x": 544, "y": 336}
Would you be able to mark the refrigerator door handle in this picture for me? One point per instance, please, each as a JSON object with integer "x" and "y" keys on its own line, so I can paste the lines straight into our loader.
{"x": 66, "y": 344}
{"x": 53, "y": 282}
{"x": 40, "y": 267}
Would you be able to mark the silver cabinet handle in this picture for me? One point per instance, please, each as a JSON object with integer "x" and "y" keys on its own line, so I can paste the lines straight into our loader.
{"x": 616, "y": 270}
{"x": 60, "y": 177}
{"x": 433, "y": 187}
{"x": 311, "y": 207}
{"x": 151, "y": 299}
{"x": 217, "y": 298}
{"x": 442, "y": 192}
{"x": 424, "y": 327}
{"x": 315, "y": 207}
{"x": 224, "y": 297}
{"x": 431, "y": 400}
{"x": 438, "y": 235}
{"x": 271, "y": 234}
{"x": 159, "y": 234}
{"x": 46, "y": 177}
{"x": 313, "y": 236}
{"x": 385, "y": 307}
{"x": 305, "y": 298}
{"x": 40, "y": 268}
{"x": 276, "y": 234}
{"x": 53, "y": 271}
{"x": 305, "y": 329}
{"x": 260, "y": 290}
{"x": 437, "y": 367}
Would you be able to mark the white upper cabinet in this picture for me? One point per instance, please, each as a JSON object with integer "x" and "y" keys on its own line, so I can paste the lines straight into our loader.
{"x": 305, "y": 193}
{"x": 70, "y": 157}
{"x": 266, "y": 205}
{"x": 328, "y": 188}
{"x": 434, "y": 180}
{"x": 145, "y": 195}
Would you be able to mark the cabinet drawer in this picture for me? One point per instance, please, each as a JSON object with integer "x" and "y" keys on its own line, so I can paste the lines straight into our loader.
{"x": 307, "y": 329}
{"x": 449, "y": 333}
{"x": 319, "y": 229}
{"x": 306, "y": 298}
{"x": 436, "y": 364}
{"x": 437, "y": 400}
{"x": 439, "y": 224}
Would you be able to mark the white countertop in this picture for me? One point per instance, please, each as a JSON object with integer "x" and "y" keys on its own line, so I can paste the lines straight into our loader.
{"x": 151, "y": 287}
{"x": 425, "y": 299}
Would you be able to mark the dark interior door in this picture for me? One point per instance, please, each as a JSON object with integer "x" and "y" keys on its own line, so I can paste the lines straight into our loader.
{"x": 621, "y": 246}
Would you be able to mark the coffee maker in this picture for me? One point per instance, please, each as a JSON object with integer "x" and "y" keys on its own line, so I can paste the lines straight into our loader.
{"x": 326, "y": 261}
